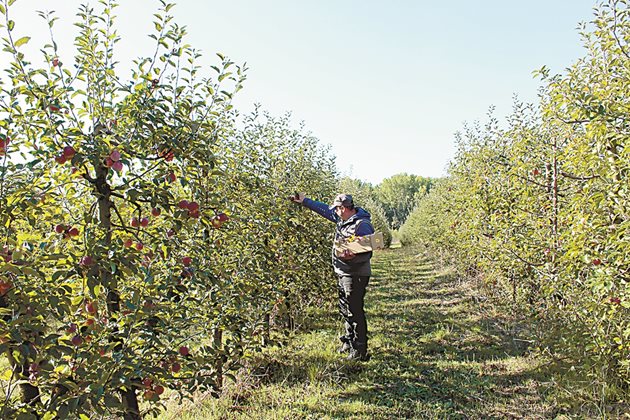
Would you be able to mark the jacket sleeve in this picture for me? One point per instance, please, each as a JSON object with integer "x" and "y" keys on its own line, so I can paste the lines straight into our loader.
{"x": 364, "y": 228}
{"x": 320, "y": 208}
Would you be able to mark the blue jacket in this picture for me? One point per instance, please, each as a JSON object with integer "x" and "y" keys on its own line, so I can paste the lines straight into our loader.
{"x": 357, "y": 225}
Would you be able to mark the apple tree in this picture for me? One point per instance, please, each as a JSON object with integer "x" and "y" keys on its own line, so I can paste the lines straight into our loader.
{"x": 101, "y": 269}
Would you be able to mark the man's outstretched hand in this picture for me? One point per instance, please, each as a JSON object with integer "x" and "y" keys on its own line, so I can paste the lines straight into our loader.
{"x": 298, "y": 197}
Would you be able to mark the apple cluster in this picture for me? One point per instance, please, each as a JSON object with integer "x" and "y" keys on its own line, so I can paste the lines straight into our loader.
{"x": 66, "y": 154}
{"x": 113, "y": 161}
{"x": 191, "y": 206}
{"x": 67, "y": 231}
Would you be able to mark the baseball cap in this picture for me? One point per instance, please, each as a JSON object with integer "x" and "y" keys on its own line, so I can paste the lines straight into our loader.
{"x": 342, "y": 200}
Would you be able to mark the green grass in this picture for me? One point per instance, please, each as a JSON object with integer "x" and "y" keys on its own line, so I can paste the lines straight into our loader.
{"x": 435, "y": 354}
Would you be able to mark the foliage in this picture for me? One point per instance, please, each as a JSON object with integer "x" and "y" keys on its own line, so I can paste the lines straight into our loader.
{"x": 275, "y": 251}
{"x": 539, "y": 209}
{"x": 142, "y": 234}
{"x": 399, "y": 194}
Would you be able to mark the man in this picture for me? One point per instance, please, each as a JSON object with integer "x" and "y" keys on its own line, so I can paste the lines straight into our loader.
{"x": 353, "y": 270}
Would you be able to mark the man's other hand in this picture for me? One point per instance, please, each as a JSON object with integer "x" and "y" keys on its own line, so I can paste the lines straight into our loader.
{"x": 347, "y": 255}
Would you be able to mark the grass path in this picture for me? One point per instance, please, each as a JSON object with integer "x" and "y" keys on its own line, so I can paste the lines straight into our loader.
{"x": 436, "y": 353}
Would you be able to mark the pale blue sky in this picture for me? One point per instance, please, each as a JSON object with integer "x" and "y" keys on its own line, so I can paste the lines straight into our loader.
{"x": 385, "y": 83}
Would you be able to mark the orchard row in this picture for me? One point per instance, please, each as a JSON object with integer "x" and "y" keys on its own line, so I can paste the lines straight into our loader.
{"x": 539, "y": 210}
{"x": 146, "y": 243}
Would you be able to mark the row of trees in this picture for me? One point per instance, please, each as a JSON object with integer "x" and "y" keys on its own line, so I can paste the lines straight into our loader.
{"x": 146, "y": 242}
{"x": 399, "y": 194}
{"x": 539, "y": 210}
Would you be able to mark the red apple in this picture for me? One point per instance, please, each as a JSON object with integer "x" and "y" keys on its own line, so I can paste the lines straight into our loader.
{"x": 159, "y": 389}
{"x": 5, "y": 286}
{"x": 183, "y": 204}
{"x": 55, "y": 62}
{"x": 216, "y": 223}
{"x": 193, "y": 206}
{"x": 117, "y": 166}
{"x": 147, "y": 382}
{"x": 109, "y": 162}
{"x": 69, "y": 152}
{"x": 194, "y": 214}
{"x": 222, "y": 217}
{"x": 170, "y": 177}
{"x": 128, "y": 243}
{"x": 139, "y": 246}
{"x": 167, "y": 155}
{"x": 183, "y": 350}
{"x": 77, "y": 340}
{"x": 115, "y": 155}
{"x": 186, "y": 261}
{"x": 60, "y": 159}
{"x": 73, "y": 232}
{"x": 60, "y": 228}
{"x": 135, "y": 222}
{"x": 90, "y": 308}
{"x": 144, "y": 222}
{"x": 597, "y": 261}
{"x": 176, "y": 367}
{"x": 155, "y": 212}
{"x": 86, "y": 260}
{"x": 535, "y": 172}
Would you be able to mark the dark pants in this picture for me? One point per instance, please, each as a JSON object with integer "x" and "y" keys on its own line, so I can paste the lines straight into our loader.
{"x": 351, "y": 294}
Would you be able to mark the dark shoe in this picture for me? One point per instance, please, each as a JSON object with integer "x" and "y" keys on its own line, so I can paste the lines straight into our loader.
{"x": 345, "y": 347}
{"x": 362, "y": 356}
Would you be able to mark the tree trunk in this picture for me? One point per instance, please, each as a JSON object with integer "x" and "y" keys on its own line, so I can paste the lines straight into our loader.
{"x": 218, "y": 345}
{"x": 105, "y": 204}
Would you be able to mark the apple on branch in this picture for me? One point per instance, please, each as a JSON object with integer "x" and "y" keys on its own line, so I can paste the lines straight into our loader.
{"x": 86, "y": 261}
{"x": 4, "y": 144}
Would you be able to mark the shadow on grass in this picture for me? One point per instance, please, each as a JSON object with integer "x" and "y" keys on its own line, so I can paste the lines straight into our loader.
{"x": 434, "y": 356}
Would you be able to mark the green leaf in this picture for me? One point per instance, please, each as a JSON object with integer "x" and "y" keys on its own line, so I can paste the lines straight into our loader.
{"x": 12, "y": 268}
{"x": 30, "y": 271}
{"x": 22, "y": 41}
